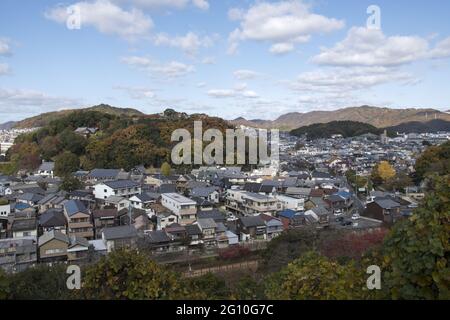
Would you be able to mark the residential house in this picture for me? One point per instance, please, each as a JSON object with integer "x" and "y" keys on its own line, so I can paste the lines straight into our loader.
{"x": 78, "y": 219}
{"x": 119, "y": 237}
{"x": 251, "y": 227}
{"x": 78, "y": 249}
{"x": 52, "y": 219}
{"x": 122, "y": 188}
{"x": 183, "y": 207}
{"x": 53, "y": 246}
{"x": 383, "y": 209}
{"x": 101, "y": 175}
{"x": 104, "y": 218}
{"x": 274, "y": 226}
{"x": 208, "y": 227}
{"x": 24, "y": 226}
{"x": 207, "y": 193}
{"x": 296, "y": 204}
{"x": 16, "y": 255}
{"x": 46, "y": 169}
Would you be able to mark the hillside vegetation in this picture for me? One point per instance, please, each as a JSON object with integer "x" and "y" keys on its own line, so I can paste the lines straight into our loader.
{"x": 121, "y": 141}
{"x": 344, "y": 128}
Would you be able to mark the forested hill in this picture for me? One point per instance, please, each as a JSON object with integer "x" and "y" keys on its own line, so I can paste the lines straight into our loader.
{"x": 120, "y": 142}
{"x": 45, "y": 118}
{"x": 344, "y": 128}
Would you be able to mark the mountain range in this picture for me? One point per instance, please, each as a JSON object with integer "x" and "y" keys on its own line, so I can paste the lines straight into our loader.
{"x": 402, "y": 120}
{"x": 375, "y": 116}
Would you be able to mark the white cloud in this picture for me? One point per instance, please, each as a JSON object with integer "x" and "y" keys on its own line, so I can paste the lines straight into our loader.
{"x": 4, "y": 69}
{"x": 169, "y": 70}
{"x": 370, "y": 47}
{"x": 201, "y": 4}
{"x": 280, "y": 22}
{"x": 442, "y": 49}
{"x": 349, "y": 79}
{"x": 201, "y": 84}
{"x": 190, "y": 43}
{"x": 107, "y": 18}
{"x": 240, "y": 90}
{"x": 209, "y": 60}
{"x": 245, "y": 74}
{"x": 282, "y": 48}
{"x": 156, "y": 4}
{"x": 138, "y": 93}
{"x": 4, "y": 47}
{"x": 32, "y": 101}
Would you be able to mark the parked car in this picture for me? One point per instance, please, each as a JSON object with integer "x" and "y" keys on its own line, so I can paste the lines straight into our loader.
{"x": 340, "y": 219}
{"x": 355, "y": 216}
{"x": 346, "y": 223}
{"x": 338, "y": 212}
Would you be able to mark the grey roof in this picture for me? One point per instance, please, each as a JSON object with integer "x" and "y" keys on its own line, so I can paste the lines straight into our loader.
{"x": 48, "y": 236}
{"x": 121, "y": 184}
{"x": 158, "y": 236}
{"x": 213, "y": 214}
{"x": 78, "y": 241}
{"x": 221, "y": 227}
{"x": 32, "y": 197}
{"x": 75, "y": 206}
{"x": 202, "y": 192}
{"x": 252, "y": 221}
{"x": 120, "y": 232}
{"x": 145, "y": 197}
{"x": 193, "y": 229}
{"x": 387, "y": 203}
{"x": 24, "y": 224}
{"x": 207, "y": 223}
{"x": 47, "y": 166}
{"x": 104, "y": 173}
{"x": 52, "y": 218}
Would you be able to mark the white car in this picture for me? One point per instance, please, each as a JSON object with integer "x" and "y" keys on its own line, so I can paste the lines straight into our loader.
{"x": 337, "y": 212}
{"x": 355, "y": 216}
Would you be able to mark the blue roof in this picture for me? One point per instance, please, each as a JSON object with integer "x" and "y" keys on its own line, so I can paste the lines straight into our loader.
{"x": 288, "y": 213}
{"x": 74, "y": 206}
{"x": 344, "y": 194}
{"x": 21, "y": 206}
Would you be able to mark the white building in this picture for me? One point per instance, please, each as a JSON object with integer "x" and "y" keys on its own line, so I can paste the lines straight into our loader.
{"x": 5, "y": 210}
{"x": 121, "y": 188}
{"x": 183, "y": 207}
{"x": 291, "y": 203}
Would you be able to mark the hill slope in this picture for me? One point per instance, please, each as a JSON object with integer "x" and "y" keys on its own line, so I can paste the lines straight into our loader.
{"x": 377, "y": 117}
{"x": 432, "y": 126}
{"x": 45, "y": 118}
{"x": 326, "y": 130}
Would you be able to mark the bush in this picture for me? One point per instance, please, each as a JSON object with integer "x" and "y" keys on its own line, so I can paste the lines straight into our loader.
{"x": 233, "y": 252}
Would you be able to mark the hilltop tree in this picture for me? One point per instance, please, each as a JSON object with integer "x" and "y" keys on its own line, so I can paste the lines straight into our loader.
{"x": 66, "y": 163}
{"x": 434, "y": 160}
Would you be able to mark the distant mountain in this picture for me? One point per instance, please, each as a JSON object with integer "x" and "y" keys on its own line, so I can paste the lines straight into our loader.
{"x": 344, "y": 128}
{"x": 7, "y": 125}
{"x": 45, "y": 118}
{"x": 375, "y": 116}
{"x": 432, "y": 126}
{"x": 352, "y": 128}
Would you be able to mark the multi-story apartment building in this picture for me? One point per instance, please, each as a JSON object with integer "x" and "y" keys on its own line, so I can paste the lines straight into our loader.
{"x": 183, "y": 207}
{"x": 252, "y": 203}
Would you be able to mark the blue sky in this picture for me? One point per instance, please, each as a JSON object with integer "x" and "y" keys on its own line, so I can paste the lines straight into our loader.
{"x": 256, "y": 59}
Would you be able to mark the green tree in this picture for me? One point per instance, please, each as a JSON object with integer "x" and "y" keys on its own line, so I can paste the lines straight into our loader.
{"x": 315, "y": 277}
{"x": 211, "y": 286}
{"x": 39, "y": 283}
{"x": 70, "y": 184}
{"x": 126, "y": 274}
{"x": 4, "y": 285}
{"x": 417, "y": 251}
{"x": 66, "y": 163}
{"x": 435, "y": 159}
{"x": 166, "y": 169}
